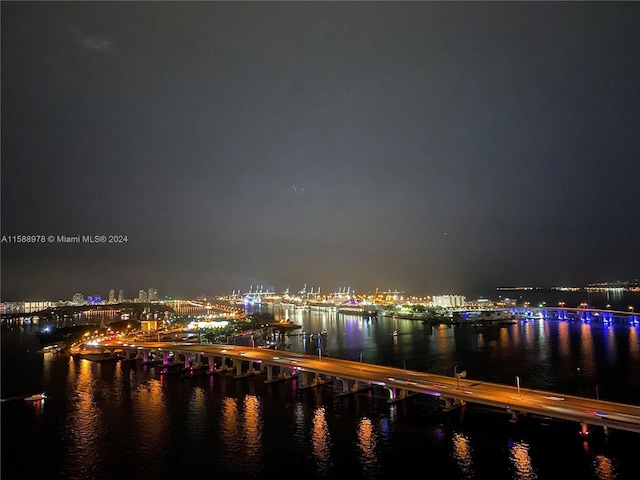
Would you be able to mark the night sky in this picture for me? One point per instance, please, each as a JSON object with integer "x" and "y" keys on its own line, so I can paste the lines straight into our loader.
{"x": 426, "y": 147}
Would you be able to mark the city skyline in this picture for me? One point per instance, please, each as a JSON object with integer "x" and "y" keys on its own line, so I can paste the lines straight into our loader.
{"x": 427, "y": 147}
{"x": 318, "y": 291}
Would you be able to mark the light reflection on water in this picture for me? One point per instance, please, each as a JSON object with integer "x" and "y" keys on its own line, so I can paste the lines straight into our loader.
{"x": 367, "y": 441}
{"x": 463, "y": 454}
{"x": 197, "y": 415}
{"x": 604, "y": 468}
{"x": 149, "y": 412}
{"x": 252, "y": 434}
{"x": 521, "y": 461}
{"x": 231, "y": 441}
{"x": 85, "y": 422}
{"x": 321, "y": 441}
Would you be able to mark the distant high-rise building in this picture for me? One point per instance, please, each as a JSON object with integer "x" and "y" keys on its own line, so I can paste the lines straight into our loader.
{"x": 121, "y": 296}
{"x": 78, "y": 299}
{"x": 93, "y": 300}
{"x": 142, "y": 296}
{"x": 112, "y": 296}
{"x": 153, "y": 294}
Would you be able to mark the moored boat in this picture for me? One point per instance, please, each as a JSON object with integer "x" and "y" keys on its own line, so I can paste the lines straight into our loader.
{"x": 358, "y": 309}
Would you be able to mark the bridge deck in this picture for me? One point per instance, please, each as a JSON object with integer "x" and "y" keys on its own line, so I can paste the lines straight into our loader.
{"x": 512, "y": 399}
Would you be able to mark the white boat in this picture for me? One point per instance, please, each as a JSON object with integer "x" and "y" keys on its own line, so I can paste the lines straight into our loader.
{"x": 36, "y": 397}
{"x": 51, "y": 349}
{"x": 358, "y": 309}
{"x": 395, "y": 333}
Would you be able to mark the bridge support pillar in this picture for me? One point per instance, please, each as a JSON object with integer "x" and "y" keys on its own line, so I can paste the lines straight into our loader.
{"x": 223, "y": 365}
{"x": 451, "y": 404}
{"x": 515, "y": 415}
{"x": 284, "y": 373}
{"x": 269, "y": 372}
{"x": 348, "y": 387}
{"x": 345, "y": 385}
{"x": 392, "y": 395}
{"x": 253, "y": 369}
{"x": 312, "y": 379}
{"x": 356, "y": 386}
{"x": 198, "y": 360}
{"x": 318, "y": 380}
{"x": 164, "y": 357}
{"x": 211, "y": 364}
{"x": 398, "y": 394}
{"x": 585, "y": 429}
{"x": 176, "y": 357}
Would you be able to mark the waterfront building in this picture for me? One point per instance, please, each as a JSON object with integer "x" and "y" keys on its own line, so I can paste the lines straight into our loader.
{"x": 36, "y": 306}
{"x": 449, "y": 300}
{"x": 25, "y": 307}
{"x": 7, "y": 308}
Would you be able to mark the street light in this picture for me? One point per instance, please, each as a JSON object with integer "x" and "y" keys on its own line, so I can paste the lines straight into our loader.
{"x": 462, "y": 374}
{"x": 518, "y": 384}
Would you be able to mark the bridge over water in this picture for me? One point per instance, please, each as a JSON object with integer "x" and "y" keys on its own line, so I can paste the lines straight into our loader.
{"x": 311, "y": 371}
{"x": 583, "y": 313}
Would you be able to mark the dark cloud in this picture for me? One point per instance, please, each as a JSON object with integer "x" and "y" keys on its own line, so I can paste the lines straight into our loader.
{"x": 327, "y": 143}
{"x": 91, "y": 43}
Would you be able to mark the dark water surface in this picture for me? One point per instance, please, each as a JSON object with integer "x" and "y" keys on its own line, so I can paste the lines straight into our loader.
{"x": 125, "y": 420}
